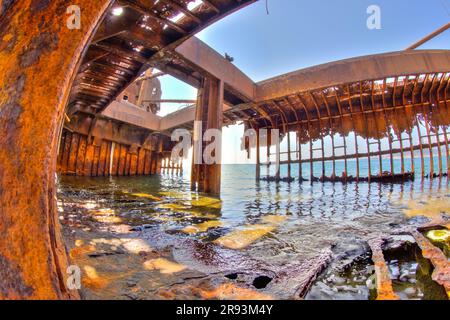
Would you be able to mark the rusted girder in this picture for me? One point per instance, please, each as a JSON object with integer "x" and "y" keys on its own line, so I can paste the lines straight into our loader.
{"x": 384, "y": 283}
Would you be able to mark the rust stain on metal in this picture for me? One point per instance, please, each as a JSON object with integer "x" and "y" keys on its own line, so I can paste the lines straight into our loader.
{"x": 39, "y": 58}
{"x": 384, "y": 283}
{"x": 441, "y": 273}
{"x": 12, "y": 285}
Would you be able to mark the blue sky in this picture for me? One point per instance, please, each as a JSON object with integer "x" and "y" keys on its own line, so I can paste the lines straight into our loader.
{"x": 302, "y": 33}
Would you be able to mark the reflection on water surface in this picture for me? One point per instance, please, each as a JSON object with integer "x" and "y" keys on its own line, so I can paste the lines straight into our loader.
{"x": 152, "y": 238}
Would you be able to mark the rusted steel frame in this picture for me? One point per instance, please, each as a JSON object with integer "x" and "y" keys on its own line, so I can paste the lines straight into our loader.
{"x": 429, "y": 37}
{"x": 300, "y": 169}
{"x": 350, "y": 114}
{"x": 258, "y": 156}
{"x": 441, "y": 82}
{"x": 311, "y": 164}
{"x": 321, "y": 132}
{"x": 331, "y": 131}
{"x": 103, "y": 75}
{"x": 363, "y": 155}
{"x": 422, "y": 161}
{"x": 69, "y": 151}
{"x": 265, "y": 115}
{"x": 102, "y": 78}
{"x": 212, "y": 6}
{"x": 284, "y": 119}
{"x": 96, "y": 155}
{"x": 184, "y": 10}
{"x": 38, "y": 68}
{"x": 146, "y": 11}
{"x": 96, "y": 86}
{"x": 124, "y": 63}
{"x": 112, "y": 68}
{"x": 427, "y": 127}
{"x": 73, "y": 156}
{"x": 285, "y": 129}
{"x": 399, "y": 136}
{"x": 209, "y": 111}
{"x": 404, "y": 102}
{"x": 78, "y": 155}
{"x": 354, "y": 132}
{"x": 86, "y": 79}
{"x": 85, "y": 65}
{"x": 145, "y": 170}
{"x": 369, "y": 166}
{"x": 61, "y": 146}
{"x": 437, "y": 258}
{"x": 444, "y": 129}
{"x": 286, "y": 100}
{"x": 262, "y": 111}
{"x": 64, "y": 151}
{"x": 84, "y": 171}
{"x": 289, "y": 153}
{"x": 388, "y": 129}
{"x": 139, "y": 161}
{"x": 338, "y": 102}
{"x": 372, "y": 100}
{"x": 437, "y": 132}
{"x": 92, "y": 89}
{"x": 383, "y": 280}
{"x": 105, "y": 36}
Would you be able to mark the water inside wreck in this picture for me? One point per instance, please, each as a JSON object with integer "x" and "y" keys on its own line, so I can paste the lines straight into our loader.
{"x": 153, "y": 238}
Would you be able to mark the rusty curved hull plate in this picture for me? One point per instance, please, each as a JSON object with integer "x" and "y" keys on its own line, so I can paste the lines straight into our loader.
{"x": 38, "y": 59}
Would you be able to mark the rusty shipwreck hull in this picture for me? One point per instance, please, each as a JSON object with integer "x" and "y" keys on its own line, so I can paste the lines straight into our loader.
{"x": 39, "y": 59}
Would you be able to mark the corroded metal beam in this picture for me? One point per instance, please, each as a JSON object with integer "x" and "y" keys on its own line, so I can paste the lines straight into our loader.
{"x": 202, "y": 57}
{"x": 441, "y": 273}
{"x": 206, "y": 177}
{"x": 371, "y": 67}
{"x": 383, "y": 280}
{"x": 429, "y": 37}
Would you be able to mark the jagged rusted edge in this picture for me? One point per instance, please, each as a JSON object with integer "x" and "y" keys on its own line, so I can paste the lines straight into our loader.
{"x": 441, "y": 273}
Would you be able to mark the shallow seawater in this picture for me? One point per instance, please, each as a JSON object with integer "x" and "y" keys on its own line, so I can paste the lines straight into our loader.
{"x": 152, "y": 238}
{"x": 410, "y": 274}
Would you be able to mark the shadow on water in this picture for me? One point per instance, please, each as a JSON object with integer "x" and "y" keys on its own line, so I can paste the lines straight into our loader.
{"x": 151, "y": 237}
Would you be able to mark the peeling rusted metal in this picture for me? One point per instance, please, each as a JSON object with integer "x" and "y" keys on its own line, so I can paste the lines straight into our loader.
{"x": 38, "y": 58}
{"x": 441, "y": 273}
{"x": 383, "y": 279}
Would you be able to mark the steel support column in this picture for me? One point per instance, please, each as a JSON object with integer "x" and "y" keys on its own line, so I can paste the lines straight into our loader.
{"x": 206, "y": 177}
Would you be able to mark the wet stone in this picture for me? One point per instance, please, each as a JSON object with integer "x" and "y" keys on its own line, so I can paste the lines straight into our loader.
{"x": 269, "y": 247}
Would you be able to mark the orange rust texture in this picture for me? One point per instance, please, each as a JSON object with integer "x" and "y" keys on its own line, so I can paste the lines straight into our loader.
{"x": 441, "y": 273}
{"x": 38, "y": 59}
{"x": 206, "y": 177}
{"x": 147, "y": 162}
{"x": 390, "y": 109}
{"x": 78, "y": 157}
{"x": 115, "y": 160}
{"x": 384, "y": 283}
